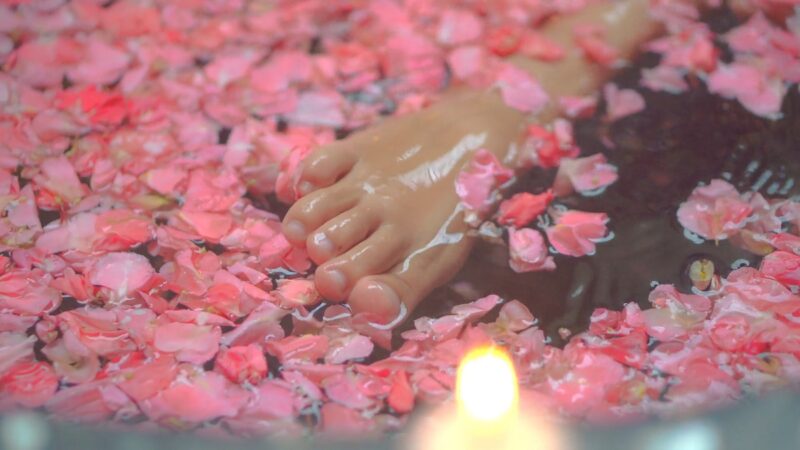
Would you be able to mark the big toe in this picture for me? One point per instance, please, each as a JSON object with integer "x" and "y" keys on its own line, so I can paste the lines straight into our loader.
{"x": 387, "y": 297}
{"x": 375, "y": 296}
{"x": 325, "y": 166}
{"x": 377, "y": 254}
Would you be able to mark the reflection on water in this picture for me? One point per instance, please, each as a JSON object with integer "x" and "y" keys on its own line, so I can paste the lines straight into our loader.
{"x": 662, "y": 154}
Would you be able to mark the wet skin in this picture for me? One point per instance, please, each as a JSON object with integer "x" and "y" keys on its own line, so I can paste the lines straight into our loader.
{"x": 379, "y": 213}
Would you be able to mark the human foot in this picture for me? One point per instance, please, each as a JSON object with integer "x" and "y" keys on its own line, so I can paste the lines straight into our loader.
{"x": 380, "y": 214}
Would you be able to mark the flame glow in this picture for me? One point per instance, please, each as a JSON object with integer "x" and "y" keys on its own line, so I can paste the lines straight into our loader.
{"x": 490, "y": 412}
{"x": 486, "y": 385}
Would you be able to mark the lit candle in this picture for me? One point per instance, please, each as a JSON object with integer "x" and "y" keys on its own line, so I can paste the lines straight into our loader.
{"x": 488, "y": 413}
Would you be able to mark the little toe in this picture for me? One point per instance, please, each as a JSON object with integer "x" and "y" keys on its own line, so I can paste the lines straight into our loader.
{"x": 325, "y": 166}
{"x": 308, "y": 213}
{"x": 341, "y": 233}
{"x": 382, "y": 250}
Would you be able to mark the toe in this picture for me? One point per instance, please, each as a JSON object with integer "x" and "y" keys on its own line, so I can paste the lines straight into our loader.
{"x": 381, "y": 296}
{"x": 385, "y": 297}
{"x": 310, "y": 212}
{"x": 325, "y": 166}
{"x": 382, "y": 250}
{"x": 341, "y": 233}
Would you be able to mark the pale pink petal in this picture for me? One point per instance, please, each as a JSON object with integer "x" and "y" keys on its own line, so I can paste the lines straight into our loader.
{"x": 575, "y": 232}
{"x": 246, "y": 363}
{"x": 477, "y": 183}
{"x": 103, "y": 64}
{"x": 755, "y": 90}
{"x": 715, "y": 211}
{"x": 520, "y": 91}
{"x": 458, "y": 26}
{"x": 621, "y": 102}
{"x": 204, "y": 396}
{"x": 349, "y": 347}
{"x": 584, "y": 175}
{"x": 664, "y": 78}
{"x": 122, "y": 273}
{"x": 292, "y": 293}
{"x": 212, "y": 226}
{"x": 528, "y": 251}
{"x": 192, "y": 343}
{"x": 28, "y": 383}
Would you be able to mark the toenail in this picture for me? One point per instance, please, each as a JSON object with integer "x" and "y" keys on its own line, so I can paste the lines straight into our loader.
{"x": 321, "y": 241}
{"x": 305, "y": 187}
{"x": 337, "y": 279}
{"x": 381, "y": 304}
{"x": 390, "y": 323}
{"x": 392, "y": 300}
{"x": 295, "y": 230}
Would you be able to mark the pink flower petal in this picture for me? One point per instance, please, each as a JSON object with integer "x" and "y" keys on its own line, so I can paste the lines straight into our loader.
{"x": 583, "y": 175}
{"x": 621, "y": 102}
{"x": 202, "y": 397}
{"x": 296, "y": 293}
{"x": 664, "y": 78}
{"x": 349, "y": 347}
{"x": 59, "y": 178}
{"x": 594, "y": 45}
{"x": 14, "y": 348}
{"x": 241, "y": 364}
{"x": 122, "y": 273}
{"x": 522, "y": 208}
{"x": 515, "y": 316}
{"x": 28, "y": 383}
{"x": 476, "y": 184}
{"x": 578, "y": 107}
{"x": 715, "y": 211}
{"x": 458, "y": 26}
{"x": 782, "y": 266}
{"x": 528, "y": 251}
{"x": 192, "y": 343}
{"x": 755, "y": 90}
{"x": 212, "y": 226}
{"x": 575, "y": 232}
{"x": 103, "y": 64}
{"x": 520, "y": 91}
{"x": 401, "y": 396}
{"x": 307, "y": 348}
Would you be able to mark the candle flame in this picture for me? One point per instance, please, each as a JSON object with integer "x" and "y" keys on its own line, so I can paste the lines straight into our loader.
{"x": 486, "y": 385}
{"x": 489, "y": 412}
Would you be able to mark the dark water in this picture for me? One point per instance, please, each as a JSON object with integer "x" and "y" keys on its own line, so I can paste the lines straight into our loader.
{"x": 662, "y": 154}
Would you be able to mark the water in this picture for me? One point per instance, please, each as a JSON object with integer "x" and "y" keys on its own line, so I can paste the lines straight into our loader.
{"x": 662, "y": 154}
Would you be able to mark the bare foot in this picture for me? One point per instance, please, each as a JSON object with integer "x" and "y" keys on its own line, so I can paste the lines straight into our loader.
{"x": 380, "y": 214}
{"x": 382, "y": 218}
